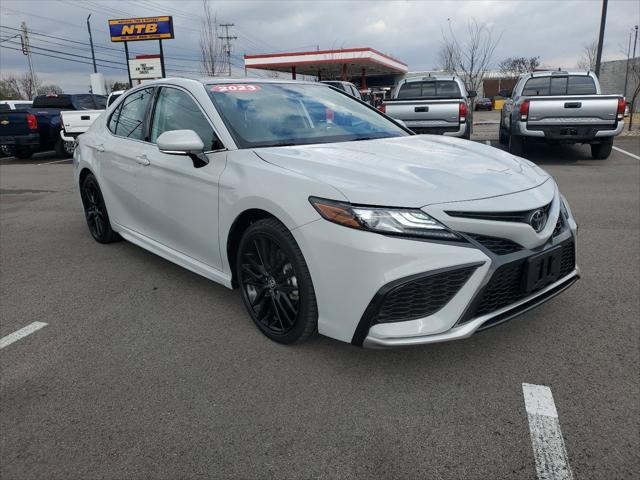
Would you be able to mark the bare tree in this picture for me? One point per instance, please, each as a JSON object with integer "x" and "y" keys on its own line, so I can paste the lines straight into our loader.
{"x": 513, "y": 67}
{"x": 588, "y": 59}
{"x": 471, "y": 58}
{"x": 210, "y": 47}
{"x": 50, "y": 89}
{"x": 10, "y": 88}
{"x": 29, "y": 88}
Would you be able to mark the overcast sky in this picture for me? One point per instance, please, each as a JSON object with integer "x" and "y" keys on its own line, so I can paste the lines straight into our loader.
{"x": 555, "y": 30}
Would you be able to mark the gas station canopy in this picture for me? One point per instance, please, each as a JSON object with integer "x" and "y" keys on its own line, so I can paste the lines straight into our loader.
{"x": 348, "y": 62}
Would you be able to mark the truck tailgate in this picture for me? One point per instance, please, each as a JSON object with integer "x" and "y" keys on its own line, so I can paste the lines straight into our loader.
{"x": 425, "y": 113}
{"x": 573, "y": 110}
{"x": 13, "y": 123}
{"x": 77, "y": 122}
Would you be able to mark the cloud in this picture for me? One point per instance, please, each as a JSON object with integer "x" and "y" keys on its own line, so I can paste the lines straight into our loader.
{"x": 409, "y": 30}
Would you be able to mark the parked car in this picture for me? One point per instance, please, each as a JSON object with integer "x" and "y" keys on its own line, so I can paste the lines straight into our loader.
{"x": 326, "y": 214}
{"x": 36, "y": 129}
{"x": 483, "y": 104}
{"x": 348, "y": 87}
{"x": 561, "y": 106}
{"x": 433, "y": 104}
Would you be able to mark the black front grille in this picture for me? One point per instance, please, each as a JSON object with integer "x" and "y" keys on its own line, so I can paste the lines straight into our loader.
{"x": 499, "y": 246}
{"x": 519, "y": 216}
{"x": 506, "y": 284}
{"x": 422, "y": 297}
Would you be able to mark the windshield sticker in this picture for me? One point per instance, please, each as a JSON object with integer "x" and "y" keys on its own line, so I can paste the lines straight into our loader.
{"x": 235, "y": 88}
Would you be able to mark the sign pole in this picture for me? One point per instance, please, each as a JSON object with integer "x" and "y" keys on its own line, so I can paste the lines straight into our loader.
{"x": 126, "y": 53}
{"x": 162, "y": 60}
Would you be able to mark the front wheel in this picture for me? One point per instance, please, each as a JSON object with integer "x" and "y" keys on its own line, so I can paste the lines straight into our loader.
{"x": 601, "y": 151}
{"x": 275, "y": 283}
{"x": 95, "y": 211}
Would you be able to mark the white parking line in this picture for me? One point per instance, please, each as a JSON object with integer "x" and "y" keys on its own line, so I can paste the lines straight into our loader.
{"x": 626, "y": 153}
{"x": 23, "y": 332}
{"x": 55, "y": 161}
{"x": 488, "y": 142}
{"x": 549, "y": 451}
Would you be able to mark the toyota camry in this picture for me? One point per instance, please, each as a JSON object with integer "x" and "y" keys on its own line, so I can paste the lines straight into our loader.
{"x": 326, "y": 214}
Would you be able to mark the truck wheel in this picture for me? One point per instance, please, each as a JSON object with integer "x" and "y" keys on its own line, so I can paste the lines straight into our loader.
{"x": 62, "y": 150}
{"x": 467, "y": 133}
{"x": 516, "y": 145}
{"x": 502, "y": 135}
{"x": 601, "y": 151}
{"x": 23, "y": 153}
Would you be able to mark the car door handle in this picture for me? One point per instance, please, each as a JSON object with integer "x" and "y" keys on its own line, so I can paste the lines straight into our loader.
{"x": 142, "y": 160}
{"x": 99, "y": 148}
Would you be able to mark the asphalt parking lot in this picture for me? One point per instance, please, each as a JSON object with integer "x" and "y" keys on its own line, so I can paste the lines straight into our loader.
{"x": 145, "y": 370}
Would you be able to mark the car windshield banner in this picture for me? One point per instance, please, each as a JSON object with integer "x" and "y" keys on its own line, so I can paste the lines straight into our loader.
{"x": 148, "y": 28}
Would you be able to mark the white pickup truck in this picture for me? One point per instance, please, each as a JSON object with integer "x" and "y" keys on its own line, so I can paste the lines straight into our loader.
{"x": 435, "y": 104}
{"x": 75, "y": 123}
{"x": 562, "y": 107}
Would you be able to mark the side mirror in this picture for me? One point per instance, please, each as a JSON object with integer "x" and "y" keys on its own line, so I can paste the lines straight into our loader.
{"x": 183, "y": 142}
{"x": 473, "y": 94}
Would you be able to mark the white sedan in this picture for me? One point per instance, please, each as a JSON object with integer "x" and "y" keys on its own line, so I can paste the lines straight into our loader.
{"x": 328, "y": 215}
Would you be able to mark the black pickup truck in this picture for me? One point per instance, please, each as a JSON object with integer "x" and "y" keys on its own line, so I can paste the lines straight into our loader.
{"x": 26, "y": 131}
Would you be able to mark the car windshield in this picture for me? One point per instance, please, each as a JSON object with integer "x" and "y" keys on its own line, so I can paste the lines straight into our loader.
{"x": 281, "y": 114}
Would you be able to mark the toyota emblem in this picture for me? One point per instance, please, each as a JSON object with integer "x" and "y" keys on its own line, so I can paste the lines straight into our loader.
{"x": 538, "y": 219}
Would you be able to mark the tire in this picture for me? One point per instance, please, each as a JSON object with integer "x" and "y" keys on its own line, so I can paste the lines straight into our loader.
{"x": 502, "y": 135}
{"x": 23, "y": 153}
{"x": 275, "y": 283}
{"x": 467, "y": 132}
{"x": 95, "y": 211}
{"x": 516, "y": 145}
{"x": 601, "y": 151}
{"x": 62, "y": 151}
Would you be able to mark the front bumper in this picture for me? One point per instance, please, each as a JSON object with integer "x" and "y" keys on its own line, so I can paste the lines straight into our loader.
{"x": 350, "y": 269}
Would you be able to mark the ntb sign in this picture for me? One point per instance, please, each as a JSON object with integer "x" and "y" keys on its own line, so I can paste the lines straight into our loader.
{"x": 149, "y": 28}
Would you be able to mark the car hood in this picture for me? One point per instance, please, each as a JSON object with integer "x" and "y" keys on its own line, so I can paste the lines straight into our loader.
{"x": 412, "y": 171}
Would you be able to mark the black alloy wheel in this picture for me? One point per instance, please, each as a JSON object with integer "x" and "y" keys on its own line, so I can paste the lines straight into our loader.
{"x": 95, "y": 211}
{"x": 275, "y": 283}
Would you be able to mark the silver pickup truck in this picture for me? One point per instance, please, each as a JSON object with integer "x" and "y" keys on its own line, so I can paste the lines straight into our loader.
{"x": 433, "y": 104}
{"x": 561, "y": 107}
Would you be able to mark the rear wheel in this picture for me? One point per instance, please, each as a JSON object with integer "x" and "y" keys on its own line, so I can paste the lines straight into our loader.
{"x": 601, "y": 151}
{"x": 95, "y": 211}
{"x": 516, "y": 144}
{"x": 23, "y": 153}
{"x": 275, "y": 283}
{"x": 64, "y": 149}
{"x": 502, "y": 135}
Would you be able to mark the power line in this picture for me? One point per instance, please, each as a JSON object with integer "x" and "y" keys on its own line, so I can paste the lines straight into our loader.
{"x": 61, "y": 58}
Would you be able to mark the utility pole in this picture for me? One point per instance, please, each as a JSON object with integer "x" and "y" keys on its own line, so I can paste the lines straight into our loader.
{"x": 603, "y": 20}
{"x": 26, "y": 50}
{"x": 227, "y": 39}
{"x": 93, "y": 54}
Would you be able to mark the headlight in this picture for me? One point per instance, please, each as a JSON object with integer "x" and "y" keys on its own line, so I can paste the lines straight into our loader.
{"x": 406, "y": 222}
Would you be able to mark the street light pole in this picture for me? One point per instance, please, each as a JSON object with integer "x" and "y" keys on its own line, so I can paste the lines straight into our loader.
{"x": 93, "y": 54}
{"x": 603, "y": 20}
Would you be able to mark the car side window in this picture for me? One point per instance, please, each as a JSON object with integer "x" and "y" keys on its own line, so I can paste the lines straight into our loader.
{"x": 128, "y": 119}
{"x": 176, "y": 110}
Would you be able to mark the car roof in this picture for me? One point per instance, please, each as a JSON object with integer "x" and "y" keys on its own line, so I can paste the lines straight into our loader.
{"x": 217, "y": 80}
